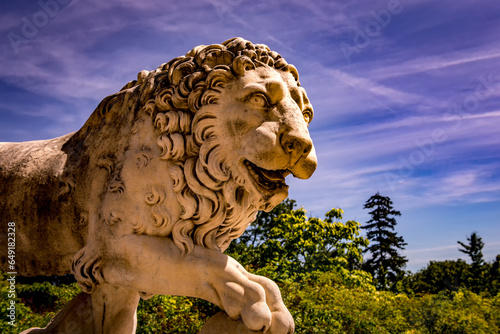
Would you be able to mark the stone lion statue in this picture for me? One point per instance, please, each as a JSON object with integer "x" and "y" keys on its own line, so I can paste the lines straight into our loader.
{"x": 147, "y": 195}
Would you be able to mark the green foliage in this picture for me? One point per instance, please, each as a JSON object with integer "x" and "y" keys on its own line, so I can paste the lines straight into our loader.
{"x": 494, "y": 277}
{"x": 449, "y": 275}
{"x": 386, "y": 264}
{"x": 323, "y": 304}
{"x": 295, "y": 245}
{"x": 452, "y": 275}
{"x": 35, "y": 303}
{"x": 462, "y": 312}
{"x": 170, "y": 314}
{"x": 259, "y": 230}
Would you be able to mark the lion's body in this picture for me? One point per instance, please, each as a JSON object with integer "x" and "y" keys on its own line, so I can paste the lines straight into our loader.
{"x": 49, "y": 188}
{"x": 29, "y": 196}
{"x": 185, "y": 156}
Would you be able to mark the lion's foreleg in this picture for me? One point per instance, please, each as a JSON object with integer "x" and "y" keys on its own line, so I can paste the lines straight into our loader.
{"x": 156, "y": 265}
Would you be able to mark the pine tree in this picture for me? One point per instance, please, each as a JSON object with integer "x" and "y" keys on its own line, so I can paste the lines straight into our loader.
{"x": 478, "y": 273}
{"x": 474, "y": 249}
{"x": 386, "y": 263}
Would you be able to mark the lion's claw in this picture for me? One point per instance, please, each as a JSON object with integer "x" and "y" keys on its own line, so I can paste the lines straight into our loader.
{"x": 251, "y": 302}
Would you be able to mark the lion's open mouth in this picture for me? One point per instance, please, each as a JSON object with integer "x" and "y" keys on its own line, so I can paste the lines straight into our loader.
{"x": 267, "y": 179}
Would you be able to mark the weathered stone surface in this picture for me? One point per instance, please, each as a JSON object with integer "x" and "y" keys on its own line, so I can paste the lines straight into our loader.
{"x": 146, "y": 196}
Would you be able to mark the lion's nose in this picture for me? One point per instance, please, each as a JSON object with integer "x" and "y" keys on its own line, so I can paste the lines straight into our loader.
{"x": 297, "y": 145}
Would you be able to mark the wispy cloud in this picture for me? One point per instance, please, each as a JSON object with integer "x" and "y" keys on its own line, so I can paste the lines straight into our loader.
{"x": 374, "y": 87}
{"x": 432, "y": 63}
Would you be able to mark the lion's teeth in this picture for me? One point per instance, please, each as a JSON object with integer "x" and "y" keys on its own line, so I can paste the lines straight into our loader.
{"x": 254, "y": 173}
{"x": 272, "y": 175}
{"x": 266, "y": 178}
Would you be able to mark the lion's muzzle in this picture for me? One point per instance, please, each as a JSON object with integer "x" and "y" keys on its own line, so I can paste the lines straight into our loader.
{"x": 298, "y": 144}
{"x": 306, "y": 165}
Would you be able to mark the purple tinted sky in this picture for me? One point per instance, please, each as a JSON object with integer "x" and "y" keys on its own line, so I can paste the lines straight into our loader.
{"x": 406, "y": 93}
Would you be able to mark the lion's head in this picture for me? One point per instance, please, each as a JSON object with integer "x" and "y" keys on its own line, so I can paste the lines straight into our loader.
{"x": 230, "y": 122}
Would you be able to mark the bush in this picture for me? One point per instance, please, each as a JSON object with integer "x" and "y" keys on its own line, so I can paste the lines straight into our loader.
{"x": 322, "y": 305}
{"x": 169, "y": 314}
{"x": 332, "y": 302}
{"x": 35, "y": 304}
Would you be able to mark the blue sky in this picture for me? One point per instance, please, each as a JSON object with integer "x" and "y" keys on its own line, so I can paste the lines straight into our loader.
{"x": 406, "y": 93}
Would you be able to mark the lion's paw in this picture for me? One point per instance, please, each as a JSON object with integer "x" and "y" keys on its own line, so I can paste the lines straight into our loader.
{"x": 281, "y": 319}
{"x": 256, "y": 302}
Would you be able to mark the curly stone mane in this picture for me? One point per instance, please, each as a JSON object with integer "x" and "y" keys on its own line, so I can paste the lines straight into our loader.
{"x": 215, "y": 206}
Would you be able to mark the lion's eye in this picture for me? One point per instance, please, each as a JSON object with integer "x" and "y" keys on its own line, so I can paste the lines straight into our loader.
{"x": 259, "y": 100}
{"x": 307, "y": 115}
